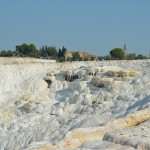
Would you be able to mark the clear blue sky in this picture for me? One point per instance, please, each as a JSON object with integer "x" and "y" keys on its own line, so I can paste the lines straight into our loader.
{"x": 95, "y": 26}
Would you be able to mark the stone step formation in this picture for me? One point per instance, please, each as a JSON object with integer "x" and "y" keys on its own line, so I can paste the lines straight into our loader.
{"x": 78, "y": 105}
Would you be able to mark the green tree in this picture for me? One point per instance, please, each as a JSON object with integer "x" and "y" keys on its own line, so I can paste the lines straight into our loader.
{"x": 117, "y": 53}
{"x": 131, "y": 56}
{"x": 140, "y": 56}
{"x": 3, "y": 53}
{"x": 27, "y": 50}
{"x": 63, "y": 51}
{"x": 23, "y": 48}
{"x": 76, "y": 56}
{"x": 86, "y": 59}
{"x": 43, "y": 52}
{"x": 60, "y": 53}
{"x": 107, "y": 57}
{"x": 92, "y": 58}
{"x": 45, "y": 55}
{"x": 52, "y": 51}
{"x": 9, "y": 53}
{"x": 32, "y": 49}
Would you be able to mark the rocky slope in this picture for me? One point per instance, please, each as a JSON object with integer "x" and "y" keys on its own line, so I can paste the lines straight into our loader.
{"x": 89, "y": 105}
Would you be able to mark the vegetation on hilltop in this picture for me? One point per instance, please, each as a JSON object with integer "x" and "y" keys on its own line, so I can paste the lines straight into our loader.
{"x": 117, "y": 53}
{"x": 51, "y": 52}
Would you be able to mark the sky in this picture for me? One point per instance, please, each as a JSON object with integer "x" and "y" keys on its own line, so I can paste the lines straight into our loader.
{"x": 95, "y": 26}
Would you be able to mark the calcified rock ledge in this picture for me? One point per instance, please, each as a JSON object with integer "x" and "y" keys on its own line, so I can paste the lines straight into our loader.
{"x": 78, "y": 105}
{"x": 80, "y": 136}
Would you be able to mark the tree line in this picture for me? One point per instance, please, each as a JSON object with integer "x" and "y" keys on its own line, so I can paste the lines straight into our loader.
{"x": 51, "y": 52}
{"x": 45, "y": 52}
{"x": 121, "y": 54}
{"x": 30, "y": 50}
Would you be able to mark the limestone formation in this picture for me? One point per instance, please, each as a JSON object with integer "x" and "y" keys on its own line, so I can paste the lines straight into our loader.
{"x": 49, "y": 78}
{"x": 121, "y": 73}
{"x": 131, "y": 137}
{"x": 74, "y": 105}
{"x": 102, "y": 82}
{"x": 79, "y": 136}
{"x": 5, "y": 116}
{"x": 84, "y": 74}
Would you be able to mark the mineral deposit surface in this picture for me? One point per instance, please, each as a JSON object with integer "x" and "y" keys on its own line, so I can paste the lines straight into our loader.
{"x": 74, "y": 105}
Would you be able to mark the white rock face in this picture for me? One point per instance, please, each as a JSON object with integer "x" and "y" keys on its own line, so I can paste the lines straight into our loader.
{"x": 94, "y": 108}
{"x": 102, "y": 82}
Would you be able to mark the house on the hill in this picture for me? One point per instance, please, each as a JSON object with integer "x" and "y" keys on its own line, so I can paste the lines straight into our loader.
{"x": 68, "y": 55}
{"x": 83, "y": 55}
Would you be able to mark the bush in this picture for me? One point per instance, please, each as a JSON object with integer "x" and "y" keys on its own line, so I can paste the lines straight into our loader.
{"x": 117, "y": 53}
{"x": 76, "y": 56}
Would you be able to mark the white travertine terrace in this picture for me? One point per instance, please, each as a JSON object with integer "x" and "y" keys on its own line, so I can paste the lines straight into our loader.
{"x": 87, "y": 105}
